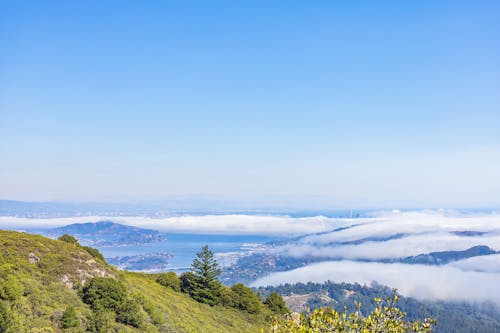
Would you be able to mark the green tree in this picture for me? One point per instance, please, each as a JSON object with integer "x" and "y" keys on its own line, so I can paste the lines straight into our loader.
{"x": 69, "y": 318}
{"x": 205, "y": 287}
{"x": 244, "y": 299}
{"x": 169, "y": 280}
{"x": 103, "y": 293}
{"x": 189, "y": 282}
{"x": 276, "y": 303}
{"x": 68, "y": 239}
{"x": 205, "y": 266}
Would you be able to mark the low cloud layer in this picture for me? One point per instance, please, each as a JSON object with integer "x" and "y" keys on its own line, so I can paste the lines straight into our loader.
{"x": 489, "y": 264}
{"x": 398, "y": 235}
{"x": 422, "y": 282}
{"x": 205, "y": 224}
{"x": 384, "y": 235}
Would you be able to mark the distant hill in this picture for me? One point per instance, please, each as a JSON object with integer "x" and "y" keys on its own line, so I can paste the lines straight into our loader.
{"x": 40, "y": 278}
{"x": 106, "y": 233}
{"x": 149, "y": 262}
{"x": 445, "y": 257}
{"x": 251, "y": 267}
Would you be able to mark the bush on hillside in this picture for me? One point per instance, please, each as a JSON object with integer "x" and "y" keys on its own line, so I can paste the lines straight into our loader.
{"x": 11, "y": 289}
{"x": 240, "y": 297}
{"x": 68, "y": 239}
{"x": 276, "y": 304}
{"x": 6, "y": 319}
{"x": 93, "y": 252}
{"x": 129, "y": 313}
{"x": 169, "y": 280}
{"x": 69, "y": 318}
{"x": 101, "y": 321}
{"x": 90, "y": 250}
{"x": 103, "y": 293}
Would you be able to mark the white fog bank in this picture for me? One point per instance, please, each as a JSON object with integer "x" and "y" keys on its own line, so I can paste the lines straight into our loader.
{"x": 235, "y": 224}
{"x": 418, "y": 281}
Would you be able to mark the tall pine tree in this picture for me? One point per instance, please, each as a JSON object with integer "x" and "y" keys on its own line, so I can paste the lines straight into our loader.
{"x": 206, "y": 271}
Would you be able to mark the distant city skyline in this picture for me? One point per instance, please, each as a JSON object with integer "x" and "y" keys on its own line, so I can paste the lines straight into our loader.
{"x": 323, "y": 105}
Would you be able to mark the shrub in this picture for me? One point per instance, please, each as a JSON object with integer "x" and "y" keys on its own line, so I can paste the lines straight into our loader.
{"x": 94, "y": 252}
{"x": 227, "y": 297}
{"x": 68, "y": 239}
{"x": 169, "y": 280}
{"x": 386, "y": 318}
{"x": 69, "y": 318}
{"x": 103, "y": 293}
{"x": 129, "y": 313}
{"x": 243, "y": 298}
{"x": 11, "y": 289}
{"x": 6, "y": 320}
{"x": 101, "y": 321}
{"x": 276, "y": 304}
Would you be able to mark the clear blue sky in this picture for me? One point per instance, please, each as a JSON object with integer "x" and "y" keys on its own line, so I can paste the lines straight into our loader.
{"x": 346, "y": 104}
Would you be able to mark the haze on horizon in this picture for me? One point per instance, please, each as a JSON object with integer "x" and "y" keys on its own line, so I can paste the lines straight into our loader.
{"x": 366, "y": 104}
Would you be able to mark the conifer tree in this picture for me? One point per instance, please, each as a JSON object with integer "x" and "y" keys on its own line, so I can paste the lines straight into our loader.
{"x": 205, "y": 266}
{"x": 207, "y": 272}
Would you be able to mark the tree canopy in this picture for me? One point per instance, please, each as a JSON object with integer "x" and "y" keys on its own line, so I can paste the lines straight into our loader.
{"x": 276, "y": 303}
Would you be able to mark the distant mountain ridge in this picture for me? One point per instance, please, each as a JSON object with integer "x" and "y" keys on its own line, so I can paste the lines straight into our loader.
{"x": 445, "y": 257}
{"x": 251, "y": 267}
{"x": 106, "y": 233}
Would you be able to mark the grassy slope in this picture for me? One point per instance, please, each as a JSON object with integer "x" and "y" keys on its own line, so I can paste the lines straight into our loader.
{"x": 183, "y": 314}
{"x": 48, "y": 292}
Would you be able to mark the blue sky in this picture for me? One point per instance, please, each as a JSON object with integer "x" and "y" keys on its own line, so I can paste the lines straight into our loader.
{"x": 336, "y": 104}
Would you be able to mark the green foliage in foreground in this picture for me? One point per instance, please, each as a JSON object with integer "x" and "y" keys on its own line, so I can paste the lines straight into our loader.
{"x": 41, "y": 279}
{"x": 451, "y": 317}
{"x": 386, "y": 318}
{"x": 6, "y": 320}
{"x": 11, "y": 289}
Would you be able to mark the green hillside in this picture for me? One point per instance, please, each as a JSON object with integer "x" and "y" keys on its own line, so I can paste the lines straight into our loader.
{"x": 41, "y": 281}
